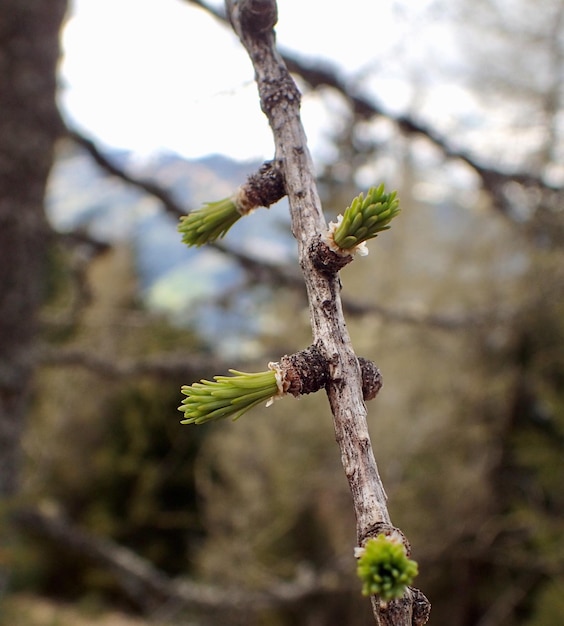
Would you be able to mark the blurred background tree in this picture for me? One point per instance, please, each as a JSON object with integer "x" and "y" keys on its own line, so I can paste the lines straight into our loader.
{"x": 29, "y": 52}
{"x": 461, "y": 306}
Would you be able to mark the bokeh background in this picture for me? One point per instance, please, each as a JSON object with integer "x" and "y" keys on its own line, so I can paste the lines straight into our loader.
{"x": 125, "y": 517}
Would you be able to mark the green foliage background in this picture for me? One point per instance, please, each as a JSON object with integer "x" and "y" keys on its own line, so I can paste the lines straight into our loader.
{"x": 468, "y": 432}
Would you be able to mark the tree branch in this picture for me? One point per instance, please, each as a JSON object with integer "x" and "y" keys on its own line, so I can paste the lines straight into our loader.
{"x": 274, "y": 272}
{"x": 280, "y": 101}
{"x": 168, "y": 202}
{"x": 322, "y": 74}
{"x": 160, "y": 366}
{"x": 151, "y": 589}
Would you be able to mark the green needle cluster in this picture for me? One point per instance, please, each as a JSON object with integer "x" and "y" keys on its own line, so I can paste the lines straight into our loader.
{"x": 385, "y": 569}
{"x": 209, "y": 223}
{"x": 366, "y": 217}
{"x": 226, "y": 396}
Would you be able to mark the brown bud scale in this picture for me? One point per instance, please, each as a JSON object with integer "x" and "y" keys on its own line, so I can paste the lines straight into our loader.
{"x": 327, "y": 260}
{"x": 264, "y": 187}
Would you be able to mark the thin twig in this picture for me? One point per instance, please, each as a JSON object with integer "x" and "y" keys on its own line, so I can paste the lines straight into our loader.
{"x": 323, "y": 74}
{"x": 253, "y": 21}
{"x": 160, "y": 365}
{"x": 168, "y": 202}
{"x": 275, "y": 272}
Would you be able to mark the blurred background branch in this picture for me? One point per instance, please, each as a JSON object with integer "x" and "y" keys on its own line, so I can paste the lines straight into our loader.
{"x": 161, "y": 596}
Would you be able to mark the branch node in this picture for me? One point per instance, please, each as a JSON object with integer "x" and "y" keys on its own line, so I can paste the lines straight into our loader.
{"x": 326, "y": 260}
{"x": 305, "y": 371}
{"x": 383, "y": 528}
{"x": 258, "y": 16}
{"x": 371, "y": 378}
{"x": 421, "y": 607}
{"x": 266, "y": 186}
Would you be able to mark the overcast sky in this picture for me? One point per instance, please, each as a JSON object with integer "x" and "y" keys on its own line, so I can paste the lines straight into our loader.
{"x": 162, "y": 75}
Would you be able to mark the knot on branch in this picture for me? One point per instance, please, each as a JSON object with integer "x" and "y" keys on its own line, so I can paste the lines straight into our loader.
{"x": 325, "y": 259}
{"x": 266, "y": 186}
{"x": 382, "y": 528}
{"x": 258, "y": 16}
{"x": 371, "y": 378}
{"x": 304, "y": 372}
{"x": 421, "y": 607}
{"x": 307, "y": 371}
{"x": 214, "y": 219}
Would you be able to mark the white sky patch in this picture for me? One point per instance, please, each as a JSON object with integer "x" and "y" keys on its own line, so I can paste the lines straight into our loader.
{"x": 147, "y": 77}
{"x": 162, "y": 75}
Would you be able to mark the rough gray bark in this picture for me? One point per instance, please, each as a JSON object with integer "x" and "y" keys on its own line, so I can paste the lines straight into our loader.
{"x": 253, "y": 21}
{"x": 29, "y": 126}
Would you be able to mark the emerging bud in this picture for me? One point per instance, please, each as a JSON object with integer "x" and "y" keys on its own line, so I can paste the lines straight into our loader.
{"x": 209, "y": 223}
{"x": 384, "y": 567}
{"x": 214, "y": 219}
{"x": 363, "y": 220}
{"x": 228, "y": 396}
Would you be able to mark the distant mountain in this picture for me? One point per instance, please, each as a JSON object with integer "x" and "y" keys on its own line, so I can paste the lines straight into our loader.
{"x": 172, "y": 276}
